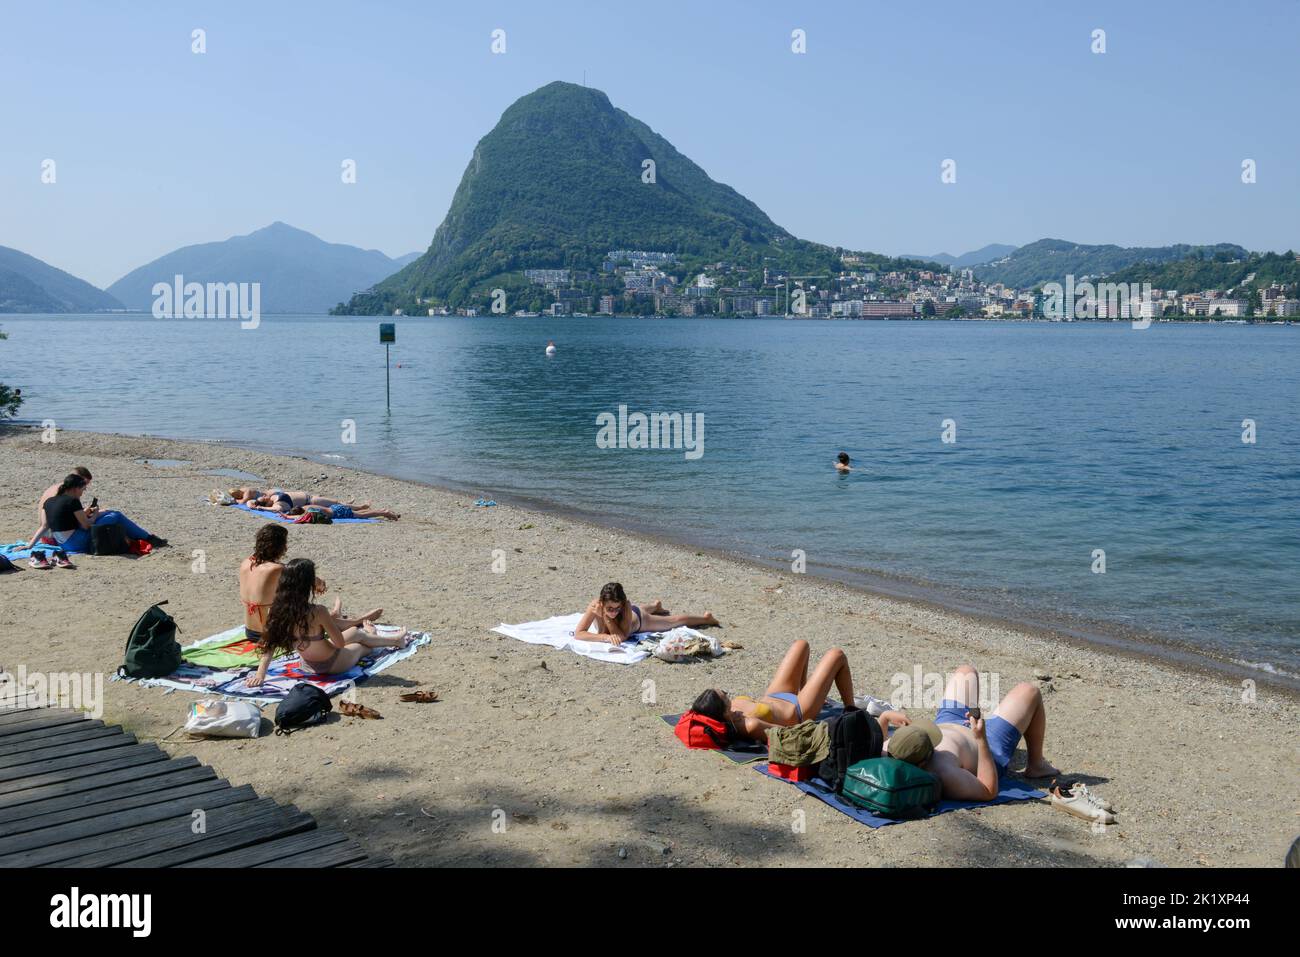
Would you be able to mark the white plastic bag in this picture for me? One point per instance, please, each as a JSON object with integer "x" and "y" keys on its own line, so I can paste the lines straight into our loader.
{"x": 213, "y": 718}
{"x": 684, "y": 644}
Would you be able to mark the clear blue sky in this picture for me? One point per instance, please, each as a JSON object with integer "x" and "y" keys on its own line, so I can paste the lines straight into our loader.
{"x": 157, "y": 147}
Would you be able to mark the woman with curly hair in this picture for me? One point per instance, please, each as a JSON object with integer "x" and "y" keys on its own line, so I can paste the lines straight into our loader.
{"x": 294, "y": 623}
{"x": 259, "y": 576}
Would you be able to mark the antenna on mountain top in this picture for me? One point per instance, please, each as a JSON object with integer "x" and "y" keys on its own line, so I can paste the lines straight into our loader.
{"x": 584, "y": 77}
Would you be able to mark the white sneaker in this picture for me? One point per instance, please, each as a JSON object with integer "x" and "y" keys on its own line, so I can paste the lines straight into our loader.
{"x": 1079, "y": 805}
{"x": 1079, "y": 788}
{"x": 872, "y": 705}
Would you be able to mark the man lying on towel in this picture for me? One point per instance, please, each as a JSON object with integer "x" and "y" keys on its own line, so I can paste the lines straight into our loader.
{"x": 967, "y": 752}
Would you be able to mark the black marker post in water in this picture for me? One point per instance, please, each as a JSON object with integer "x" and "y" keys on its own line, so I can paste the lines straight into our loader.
{"x": 387, "y": 335}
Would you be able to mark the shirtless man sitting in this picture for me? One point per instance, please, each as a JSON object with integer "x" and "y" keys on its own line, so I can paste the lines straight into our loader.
{"x": 968, "y": 753}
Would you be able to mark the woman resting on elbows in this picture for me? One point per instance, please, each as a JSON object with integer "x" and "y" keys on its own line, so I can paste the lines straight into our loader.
{"x": 259, "y": 575}
{"x": 791, "y": 698}
{"x": 293, "y": 623}
{"x": 615, "y": 618}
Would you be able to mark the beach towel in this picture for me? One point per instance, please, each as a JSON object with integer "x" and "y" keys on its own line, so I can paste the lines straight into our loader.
{"x": 746, "y": 752}
{"x": 221, "y": 664}
{"x": 1009, "y": 789}
{"x": 229, "y": 650}
{"x": 18, "y": 551}
{"x": 290, "y": 519}
{"x": 558, "y": 632}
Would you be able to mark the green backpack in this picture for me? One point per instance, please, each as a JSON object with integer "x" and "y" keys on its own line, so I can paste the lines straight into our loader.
{"x": 152, "y": 650}
{"x": 891, "y": 788}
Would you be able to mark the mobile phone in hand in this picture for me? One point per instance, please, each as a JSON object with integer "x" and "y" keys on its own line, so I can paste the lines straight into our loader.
{"x": 94, "y": 502}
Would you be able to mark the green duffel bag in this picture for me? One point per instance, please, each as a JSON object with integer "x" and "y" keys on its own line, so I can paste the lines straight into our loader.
{"x": 152, "y": 650}
{"x": 891, "y": 788}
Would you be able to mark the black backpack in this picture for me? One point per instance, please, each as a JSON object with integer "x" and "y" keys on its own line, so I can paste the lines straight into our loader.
{"x": 855, "y": 736}
{"x": 303, "y": 706}
{"x": 108, "y": 540}
{"x": 152, "y": 650}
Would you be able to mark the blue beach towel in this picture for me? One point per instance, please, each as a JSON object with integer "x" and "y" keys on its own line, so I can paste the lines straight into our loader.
{"x": 1009, "y": 790}
{"x": 17, "y": 551}
{"x": 288, "y": 519}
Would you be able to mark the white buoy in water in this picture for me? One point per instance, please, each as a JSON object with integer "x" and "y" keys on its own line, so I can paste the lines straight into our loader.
{"x": 550, "y": 348}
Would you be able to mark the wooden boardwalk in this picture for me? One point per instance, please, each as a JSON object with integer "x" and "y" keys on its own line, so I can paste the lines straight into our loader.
{"x": 75, "y": 792}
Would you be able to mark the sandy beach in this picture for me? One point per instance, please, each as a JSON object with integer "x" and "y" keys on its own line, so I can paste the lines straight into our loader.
{"x": 572, "y": 750}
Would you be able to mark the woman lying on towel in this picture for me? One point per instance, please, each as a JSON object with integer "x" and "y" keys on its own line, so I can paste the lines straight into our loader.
{"x": 294, "y": 501}
{"x": 259, "y": 575}
{"x": 615, "y": 618}
{"x": 293, "y": 623}
{"x": 340, "y": 511}
{"x": 791, "y": 698}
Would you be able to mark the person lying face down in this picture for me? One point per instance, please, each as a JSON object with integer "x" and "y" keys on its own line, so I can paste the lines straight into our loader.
{"x": 792, "y": 697}
{"x": 968, "y": 752}
{"x": 615, "y": 619}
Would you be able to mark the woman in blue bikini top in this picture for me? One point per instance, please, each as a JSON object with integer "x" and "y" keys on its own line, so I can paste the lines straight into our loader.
{"x": 792, "y": 697}
{"x": 615, "y": 619}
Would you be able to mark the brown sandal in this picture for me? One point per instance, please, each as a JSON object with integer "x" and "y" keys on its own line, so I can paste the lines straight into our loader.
{"x": 354, "y": 710}
{"x": 420, "y": 697}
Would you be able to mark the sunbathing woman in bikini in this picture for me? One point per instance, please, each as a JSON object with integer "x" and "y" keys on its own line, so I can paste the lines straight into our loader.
{"x": 615, "y": 618}
{"x": 293, "y": 501}
{"x": 293, "y": 623}
{"x": 338, "y": 510}
{"x": 259, "y": 575}
{"x": 791, "y": 698}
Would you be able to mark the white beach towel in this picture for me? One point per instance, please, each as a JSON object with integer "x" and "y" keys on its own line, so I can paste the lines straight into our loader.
{"x": 558, "y": 633}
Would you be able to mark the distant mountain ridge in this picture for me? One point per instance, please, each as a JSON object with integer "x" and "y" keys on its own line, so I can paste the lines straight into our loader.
{"x": 563, "y": 178}
{"x": 298, "y": 272}
{"x": 977, "y": 257}
{"x": 29, "y": 285}
{"x": 1050, "y": 260}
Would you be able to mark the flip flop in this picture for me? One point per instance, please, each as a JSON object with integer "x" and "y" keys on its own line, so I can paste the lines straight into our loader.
{"x": 420, "y": 697}
{"x": 354, "y": 710}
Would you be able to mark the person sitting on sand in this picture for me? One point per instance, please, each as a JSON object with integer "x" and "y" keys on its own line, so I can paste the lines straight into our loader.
{"x": 42, "y": 530}
{"x": 791, "y": 698}
{"x": 616, "y": 619}
{"x": 259, "y": 575}
{"x": 967, "y": 752}
{"x": 68, "y": 522}
{"x": 293, "y": 623}
{"x": 842, "y": 462}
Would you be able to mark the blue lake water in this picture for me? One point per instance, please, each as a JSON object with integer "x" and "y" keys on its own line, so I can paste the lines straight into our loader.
{"x": 1069, "y": 438}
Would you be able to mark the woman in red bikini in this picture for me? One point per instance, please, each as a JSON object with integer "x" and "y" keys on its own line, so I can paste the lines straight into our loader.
{"x": 259, "y": 575}
{"x": 293, "y": 623}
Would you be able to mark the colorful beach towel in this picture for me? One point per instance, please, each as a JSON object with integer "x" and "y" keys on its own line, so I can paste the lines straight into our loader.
{"x": 558, "y": 633}
{"x": 289, "y": 519}
{"x": 229, "y": 650}
{"x": 1009, "y": 789}
{"x": 222, "y": 664}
